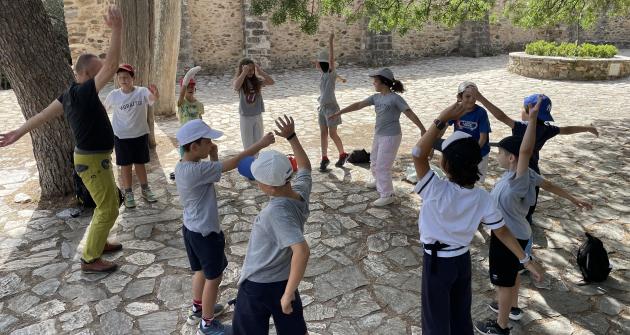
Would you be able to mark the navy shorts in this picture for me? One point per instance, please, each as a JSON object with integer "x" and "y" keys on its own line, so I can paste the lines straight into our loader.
{"x": 206, "y": 252}
{"x": 504, "y": 266}
{"x": 256, "y": 302}
{"x": 131, "y": 150}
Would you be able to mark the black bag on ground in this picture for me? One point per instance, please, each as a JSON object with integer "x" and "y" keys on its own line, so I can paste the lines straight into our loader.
{"x": 359, "y": 157}
{"x": 592, "y": 259}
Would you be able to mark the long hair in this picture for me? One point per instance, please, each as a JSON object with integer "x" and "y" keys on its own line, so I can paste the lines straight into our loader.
{"x": 394, "y": 85}
{"x": 252, "y": 83}
{"x": 460, "y": 160}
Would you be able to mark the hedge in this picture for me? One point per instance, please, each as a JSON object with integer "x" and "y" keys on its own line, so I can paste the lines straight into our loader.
{"x": 544, "y": 48}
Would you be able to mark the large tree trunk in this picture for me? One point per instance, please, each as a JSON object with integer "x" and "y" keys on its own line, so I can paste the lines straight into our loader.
{"x": 137, "y": 46}
{"x": 164, "y": 70}
{"x": 34, "y": 63}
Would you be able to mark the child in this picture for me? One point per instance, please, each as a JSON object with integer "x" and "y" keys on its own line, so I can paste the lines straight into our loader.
{"x": 202, "y": 233}
{"x": 128, "y": 105}
{"x": 475, "y": 122}
{"x": 544, "y": 130}
{"x": 188, "y": 107}
{"x": 514, "y": 193}
{"x": 388, "y": 106}
{"x": 328, "y": 105}
{"x": 248, "y": 84}
{"x": 277, "y": 252}
{"x": 452, "y": 209}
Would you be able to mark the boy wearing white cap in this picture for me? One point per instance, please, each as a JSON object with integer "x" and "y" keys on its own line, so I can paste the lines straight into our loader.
{"x": 388, "y": 105}
{"x": 277, "y": 253}
{"x": 328, "y": 105}
{"x": 452, "y": 210}
{"x": 202, "y": 233}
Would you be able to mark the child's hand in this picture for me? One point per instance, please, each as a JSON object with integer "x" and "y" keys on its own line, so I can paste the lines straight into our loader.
{"x": 334, "y": 115}
{"x": 214, "y": 151}
{"x": 475, "y": 92}
{"x": 286, "y": 126}
{"x": 268, "y": 139}
{"x": 286, "y": 303}
{"x": 113, "y": 19}
{"x": 536, "y": 270}
{"x": 594, "y": 131}
{"x": 533, "y": 111}
{"x": 583, "y": 205}
{"x": 154, "y": 90}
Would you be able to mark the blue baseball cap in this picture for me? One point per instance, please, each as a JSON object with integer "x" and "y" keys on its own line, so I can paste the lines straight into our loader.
{"x": 544, "y": 114}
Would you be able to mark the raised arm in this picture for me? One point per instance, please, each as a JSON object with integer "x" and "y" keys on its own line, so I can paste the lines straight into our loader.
{"x": 231, "y": 163}
{"x": 353, "y": 107}
{"x": 55, "y": 109}
{"x": 414, "y": 118}
{"x": 494, "y": 110}
{"x": 331, "y": 52}
{"x": 113, "y": 20}
{"x": 237, "y": 83}
{"x": 529, "y": 140}
{"x": 569, "y": 130}
{"x": 559, "y": 191}
{"x": 423, "y": 148}
{"x": 286, "y": 129}
{"x": 267, "y": 80}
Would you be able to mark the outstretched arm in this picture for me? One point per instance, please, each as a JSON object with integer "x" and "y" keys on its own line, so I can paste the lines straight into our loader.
{"x": 55, "y": 109}
{"x": 113, "y": 20}
{"x": 286, "y": 129}
{"x": 559, "y": 191}
{"x": 353, "y": 107}
{"x": 529, "y": 140}
{"x": 331, "y": 52}
{"x": 569, "y": 130}
{"x": 494, "y": 110}
{"x": 414, "y": 118}
{"x": 423, "y": 148}
{"x": 231, "y": 163}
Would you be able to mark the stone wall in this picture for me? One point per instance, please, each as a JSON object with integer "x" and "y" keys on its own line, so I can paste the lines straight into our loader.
{"x": 220, "y": 32}
{"x": 544, "y": 67}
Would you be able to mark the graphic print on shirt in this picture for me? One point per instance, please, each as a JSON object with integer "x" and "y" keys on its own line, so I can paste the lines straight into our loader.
{"x": 250, "y": 95}
{"x": 465, "y": 124}
{"x": 190, "y": 111}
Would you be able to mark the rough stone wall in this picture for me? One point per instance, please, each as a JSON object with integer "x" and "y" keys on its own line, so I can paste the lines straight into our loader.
{"x": 87, "y": 31}
{"x": 432, "y": 40}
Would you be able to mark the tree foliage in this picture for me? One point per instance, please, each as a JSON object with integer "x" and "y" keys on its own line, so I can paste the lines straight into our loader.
{"x": 405, "y": 15}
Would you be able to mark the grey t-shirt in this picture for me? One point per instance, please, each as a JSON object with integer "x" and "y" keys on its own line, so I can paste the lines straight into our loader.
{"x": 195, "y": 185}
{"x": 275, "y": 229}
{"x": 327, "y": 89}
{"x": 250, "y": 102}
{"x": 514, "y": 196}
{"x": 388, "y": 108}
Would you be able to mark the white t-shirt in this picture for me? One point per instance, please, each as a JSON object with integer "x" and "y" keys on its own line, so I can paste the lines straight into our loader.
{"x": 129, "y": 112}
{"x": 451, "y": 214}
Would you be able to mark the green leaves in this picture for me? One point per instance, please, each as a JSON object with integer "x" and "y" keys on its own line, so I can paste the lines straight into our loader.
{"x": 544, "y": 48}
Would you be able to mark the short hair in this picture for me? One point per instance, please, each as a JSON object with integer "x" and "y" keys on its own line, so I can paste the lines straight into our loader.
{"x": 188, "y": 145}
{"x": 83, "y": 61}
{"x": 460, "y": 161}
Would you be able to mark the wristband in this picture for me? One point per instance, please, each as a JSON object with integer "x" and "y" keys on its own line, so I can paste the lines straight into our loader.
{"x": 525, "y": 260}
{"x": 290, "y": 137}
{"x": 439, "y": 124}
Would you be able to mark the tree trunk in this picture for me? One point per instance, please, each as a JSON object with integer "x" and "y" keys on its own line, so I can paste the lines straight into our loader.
{"x": 137, "y": 46}
{"x": 35, "y": 65}
{"x": 164, "y": 70}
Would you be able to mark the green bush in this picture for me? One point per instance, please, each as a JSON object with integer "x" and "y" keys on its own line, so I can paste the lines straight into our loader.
{"x": 544, "y": 48}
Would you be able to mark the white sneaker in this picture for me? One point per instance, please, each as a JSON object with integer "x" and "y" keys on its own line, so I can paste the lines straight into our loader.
{"x": 371, "y": 184}
{"x": 380, "y": 202}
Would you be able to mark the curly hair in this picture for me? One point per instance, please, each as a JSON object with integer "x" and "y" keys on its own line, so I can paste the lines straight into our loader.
{"x": 460, "y": 160}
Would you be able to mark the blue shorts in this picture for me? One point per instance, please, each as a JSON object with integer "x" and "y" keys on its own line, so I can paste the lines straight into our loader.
{"x": 256, "y": 302}
{"x": 206, "y": 252}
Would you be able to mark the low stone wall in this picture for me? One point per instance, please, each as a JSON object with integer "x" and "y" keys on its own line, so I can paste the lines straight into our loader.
{"x": 564, "y": 68}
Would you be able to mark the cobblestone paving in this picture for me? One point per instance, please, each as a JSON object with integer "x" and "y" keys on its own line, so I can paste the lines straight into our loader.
{"x": 364, "y": 273}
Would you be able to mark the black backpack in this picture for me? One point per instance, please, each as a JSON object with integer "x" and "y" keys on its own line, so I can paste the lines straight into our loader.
{"x": 359, "y": 157}
{"x": 592, "y": 259}
{"x": 83, "y": 195}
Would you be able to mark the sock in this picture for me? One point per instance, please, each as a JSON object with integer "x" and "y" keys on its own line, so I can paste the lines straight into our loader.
{"x": 144, "y": 186}
{"x": 196, "y": 305}
{"x": 128, "y": 190}
{"x": 206, "y": 322}
{"x": 342, "y": 155}
{"x": 324, "y": 158}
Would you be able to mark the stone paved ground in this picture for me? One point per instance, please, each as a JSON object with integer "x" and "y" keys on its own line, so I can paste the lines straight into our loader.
{"x": 364, "y": 272}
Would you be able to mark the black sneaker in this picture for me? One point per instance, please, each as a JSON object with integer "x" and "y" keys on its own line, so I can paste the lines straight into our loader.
{"x": 323, "y": 165}
{"x": 342, "y": 159}
{"x": 490, "y": 327}
{"x": 515, "y": 313}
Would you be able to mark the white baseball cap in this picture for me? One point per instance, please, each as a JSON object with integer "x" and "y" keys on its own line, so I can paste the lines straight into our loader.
{"x": 462, "y": 87}
{"x": 385, "y": 73}
{"x": 322, "y": 57}
{"x": 194, "y": 130}
{"x": 272, "y": 168}
{"x": 457, "y": 135}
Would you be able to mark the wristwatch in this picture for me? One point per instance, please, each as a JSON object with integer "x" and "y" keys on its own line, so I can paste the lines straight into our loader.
{"x": 439, "y": 124}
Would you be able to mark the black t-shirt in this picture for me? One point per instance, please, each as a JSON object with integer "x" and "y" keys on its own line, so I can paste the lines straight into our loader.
{"x": 87, "y": 117}
{"x": 544, "y": 132}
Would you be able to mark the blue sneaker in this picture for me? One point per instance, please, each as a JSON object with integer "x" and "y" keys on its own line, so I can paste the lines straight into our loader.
{"x": 214, "y": 328}
{"x": 195, "y": 316}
